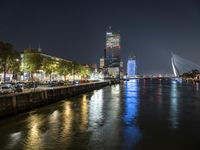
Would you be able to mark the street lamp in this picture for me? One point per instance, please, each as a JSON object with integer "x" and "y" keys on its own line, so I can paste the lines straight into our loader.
{"x": 0, "y": 64}
{"x": 3, "y": 64}
{"x": 73, "y": 71}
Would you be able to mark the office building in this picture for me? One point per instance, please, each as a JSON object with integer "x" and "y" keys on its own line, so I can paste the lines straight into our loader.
{"x": 131, "y": 67}
{"x": 112, "y": 54}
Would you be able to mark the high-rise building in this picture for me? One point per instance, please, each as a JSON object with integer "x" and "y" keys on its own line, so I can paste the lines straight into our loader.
{"x": 131, "y": 67}
{"x": 101, "y": 63}
{"x": 112, "y": 49}
{"x": 112, "y": 54}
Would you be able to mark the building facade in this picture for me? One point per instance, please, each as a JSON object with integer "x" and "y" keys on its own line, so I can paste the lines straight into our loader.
{"x": 112, "y": 57}
{"x": 40, "y": 74}
{"x": 101, "y": 63}
{"x": 131, "y": 67}
{"x": 112, "y": 49}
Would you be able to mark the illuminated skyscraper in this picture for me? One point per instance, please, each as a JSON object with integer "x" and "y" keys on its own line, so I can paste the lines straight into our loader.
{"x": 113, "y": 49}
{"x": 112, "y": 54}
{"x": 131, "y": 67}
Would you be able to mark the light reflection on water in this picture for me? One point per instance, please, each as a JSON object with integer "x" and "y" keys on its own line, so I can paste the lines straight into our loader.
{"x": 131, "y": 102}
{"x": 67, "y": 123}
{"x": 84, "y": 113}
{"x": 174, "y": 105}
{"x": 14, "y": 139}
{"x": 131, "y": 132}
{"x": 115, "y": 101}
{"x": 33, "y": 137}
{"x": 96, "y": 108}
{"x": 159, "y": 95}
{"x": 197, "y": 86}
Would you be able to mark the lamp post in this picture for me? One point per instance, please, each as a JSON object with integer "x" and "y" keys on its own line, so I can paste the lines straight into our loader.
{"x": 3, "y": 64}
{"x": 73, "y": 71}
{"x": 16, "y": 71}
{"x": 0, "y": 64}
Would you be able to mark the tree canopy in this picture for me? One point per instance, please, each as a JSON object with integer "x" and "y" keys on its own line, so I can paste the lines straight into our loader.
{"x": 9, "y": 59}
{"x": 64, "y": 68}
{"x": 49, "y": 66}
{"x": 32, "y": 61}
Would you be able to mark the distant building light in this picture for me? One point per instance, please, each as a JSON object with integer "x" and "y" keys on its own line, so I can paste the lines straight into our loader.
{"x": 109, "y": 33}
{"x": 131, "y": 68}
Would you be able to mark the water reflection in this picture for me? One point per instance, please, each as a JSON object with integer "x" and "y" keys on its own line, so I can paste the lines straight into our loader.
{"x": 144, "y": 86}
{"x": 84, "y": 113}
{"x": 131, "y": 102}
{"x": 131, "y": 132}
{"x": 96, "y": 108}
{"x": 96, "y": 118}
{"x": 14, "y": 139}
{"x": 123, "y": 116}
{"x": 197, "y": 86}
{"x": 67, "y": 123}
{"x": 53, "y": 118}
{"x": 33, "y": 139}
{"x": 115, "y": 101}
{"x": 159, "y": 95}
{"x": 54, "y": 126}
{"x": 174, "y": 105}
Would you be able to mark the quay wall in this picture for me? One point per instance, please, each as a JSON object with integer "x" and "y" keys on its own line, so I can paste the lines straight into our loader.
{"x": 23, "y": 102}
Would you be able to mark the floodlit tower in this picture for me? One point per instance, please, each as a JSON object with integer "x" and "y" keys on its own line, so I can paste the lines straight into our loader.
{"x": 131, "y": 66}
{"x": 112, "y": 54}
{"x": 113, "y": 49}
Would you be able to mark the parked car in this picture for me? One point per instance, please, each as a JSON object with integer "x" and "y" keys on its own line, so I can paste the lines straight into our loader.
{"x": 31, "y": 85}
{"x": 6, "y": 89}
{"x": 18, "y": 88}
{"x": 76, "y": 82}
{"x": 67, "y": 82}
{"x": 52, "y": 83}
{"x": 61, "y": 83}
{"x": 20, "y": 84}
{"x": 55, "y": 83}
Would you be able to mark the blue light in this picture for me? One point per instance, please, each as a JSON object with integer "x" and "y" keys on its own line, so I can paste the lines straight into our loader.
{"x": 131, "y": 68}
{"x": 131, "y": 131}
{"x": 174, "y": 105}
{"x": 131, "y": 102}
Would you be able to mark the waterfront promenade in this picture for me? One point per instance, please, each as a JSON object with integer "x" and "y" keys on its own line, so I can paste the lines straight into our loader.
{"x": 29, "y": 99}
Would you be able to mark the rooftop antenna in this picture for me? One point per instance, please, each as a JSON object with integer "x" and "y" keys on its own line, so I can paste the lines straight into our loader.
{"x": 39, "y": 48}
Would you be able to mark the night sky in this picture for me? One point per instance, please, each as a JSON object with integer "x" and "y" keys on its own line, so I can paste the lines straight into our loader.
{"x": 76, "y": 29}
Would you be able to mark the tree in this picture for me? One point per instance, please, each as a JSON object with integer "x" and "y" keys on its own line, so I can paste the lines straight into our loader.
{"x": 76, "y": 67}
{"x": 186, "y": 75}
{"x": 194, "y": 73}
{"x": 64, "y": 68}
{"x": 14, "y": 64}
{"x": 85, "y": 71}
{"x": 49, "y": 66}
{"x": 32, "y": 61}
{"x": 6, "y": 55}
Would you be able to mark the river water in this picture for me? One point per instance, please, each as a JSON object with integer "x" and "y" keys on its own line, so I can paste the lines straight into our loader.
{"x": 137, "y": 114}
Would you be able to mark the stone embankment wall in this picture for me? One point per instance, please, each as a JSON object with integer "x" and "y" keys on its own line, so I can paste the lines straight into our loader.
{"x": 22, "y": 102}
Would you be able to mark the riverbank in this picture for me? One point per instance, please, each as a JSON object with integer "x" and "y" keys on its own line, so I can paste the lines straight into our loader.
{"x": 23, "y": 102}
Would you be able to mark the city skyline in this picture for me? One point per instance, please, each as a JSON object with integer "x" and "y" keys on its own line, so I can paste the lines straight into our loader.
{"x": 72, "y": 30}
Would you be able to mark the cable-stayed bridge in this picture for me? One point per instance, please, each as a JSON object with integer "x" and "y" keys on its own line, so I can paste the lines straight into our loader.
{"x": 181, "y": 65}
